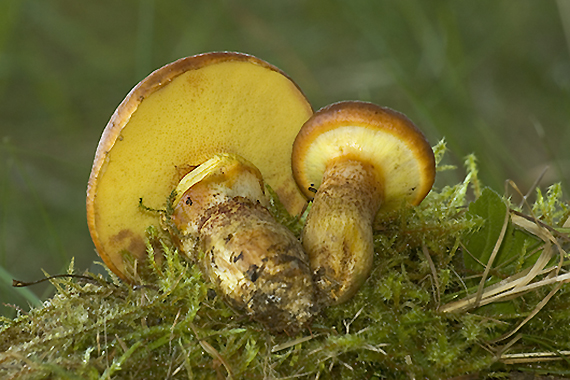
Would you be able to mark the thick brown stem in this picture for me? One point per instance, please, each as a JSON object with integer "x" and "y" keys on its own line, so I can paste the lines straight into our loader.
{"x": 338, "y": 232}
{"x": 259, "y": 263}
{"x": 255, "y": 262}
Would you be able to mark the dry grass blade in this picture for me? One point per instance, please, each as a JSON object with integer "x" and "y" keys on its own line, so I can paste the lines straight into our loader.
{"x": 521, "y": 282}
{"x": 534, "y": 312}
{"x": 213, "y": 352}
{"x": 292, "y": 343}
{"x": 533, "y": 228}
{"x": 534, "y": 357}
{"x": 433, "y": 272}
{"x": 491, "y": 259}
{"x": 512, "y": 286}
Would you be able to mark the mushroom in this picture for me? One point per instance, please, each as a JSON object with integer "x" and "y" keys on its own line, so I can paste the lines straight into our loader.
{"x": 359, "y": 161}
{"x": 209, "y": 127}
{"x": 174, "y": 120}
{"x": 220, "y": 215}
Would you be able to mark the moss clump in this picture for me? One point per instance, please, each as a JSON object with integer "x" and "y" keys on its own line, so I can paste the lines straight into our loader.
{"x": 444, "y": 299}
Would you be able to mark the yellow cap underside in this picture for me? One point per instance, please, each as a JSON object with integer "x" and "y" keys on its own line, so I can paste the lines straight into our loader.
{"x": 235, "y": 107}
{"x": 393, "y": 160}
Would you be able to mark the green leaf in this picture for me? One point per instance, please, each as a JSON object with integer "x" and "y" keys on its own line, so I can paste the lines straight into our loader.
{"x": 480, "y": 243}
{"x": 511, "y": 256}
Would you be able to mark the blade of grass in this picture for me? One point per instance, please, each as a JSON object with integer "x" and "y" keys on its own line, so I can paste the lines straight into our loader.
{"x": 145, "y": 32}
{"x": 6, "y": 283}
{"x": 491, "y": 259}
{"x": 42, "y": 212}
{"x": 534, "y": 312}
{"x": 564, "y": 10}
{"x": 3, "y": 214}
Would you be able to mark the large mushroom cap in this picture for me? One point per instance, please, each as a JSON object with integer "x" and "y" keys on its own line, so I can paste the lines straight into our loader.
{"x": 381, "y": 137}
{"x": 174, "y": 120}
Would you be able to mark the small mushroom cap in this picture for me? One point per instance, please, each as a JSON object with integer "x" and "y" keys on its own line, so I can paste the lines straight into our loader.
{"x": 230, "y": 175}
{"x": 174, "y": 120}
{"x": 385, "y": 139}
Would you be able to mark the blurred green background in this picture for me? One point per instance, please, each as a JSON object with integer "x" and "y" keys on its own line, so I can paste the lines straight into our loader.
{"x": 491, "y": 76}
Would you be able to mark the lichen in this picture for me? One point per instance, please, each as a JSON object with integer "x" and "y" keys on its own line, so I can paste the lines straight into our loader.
{"x": 404, "y": 322}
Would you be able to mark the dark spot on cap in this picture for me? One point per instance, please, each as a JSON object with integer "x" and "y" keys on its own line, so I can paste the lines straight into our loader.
{"x": 189, "y": 201}
{"x": 253, "y": 272}
{"x": 239, "y": 257}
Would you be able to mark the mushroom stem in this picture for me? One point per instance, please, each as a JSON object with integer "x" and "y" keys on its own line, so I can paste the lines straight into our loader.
{"x": 255, "y": 262}
{"x": 338, "y": 231}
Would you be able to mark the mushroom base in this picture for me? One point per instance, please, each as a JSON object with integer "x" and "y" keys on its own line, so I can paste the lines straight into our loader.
{"x": 338, "y": 232}
{"x": 257, "y": 264}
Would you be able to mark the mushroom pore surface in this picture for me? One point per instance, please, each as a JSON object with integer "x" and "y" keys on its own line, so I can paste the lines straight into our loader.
{"x": 174, "y": 120}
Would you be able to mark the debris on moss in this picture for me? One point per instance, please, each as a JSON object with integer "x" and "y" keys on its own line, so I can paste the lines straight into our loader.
{"x": 465, "y": 283}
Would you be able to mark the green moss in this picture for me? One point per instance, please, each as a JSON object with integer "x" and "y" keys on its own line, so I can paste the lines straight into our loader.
{"x": 173, "y": 325}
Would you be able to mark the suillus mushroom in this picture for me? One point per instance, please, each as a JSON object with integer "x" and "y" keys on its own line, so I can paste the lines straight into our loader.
{"x": 220, "y": 215}
{"x": 358, "y": 160}
{"x": 176, "y": 119}
{"x": 210, "y": 127}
